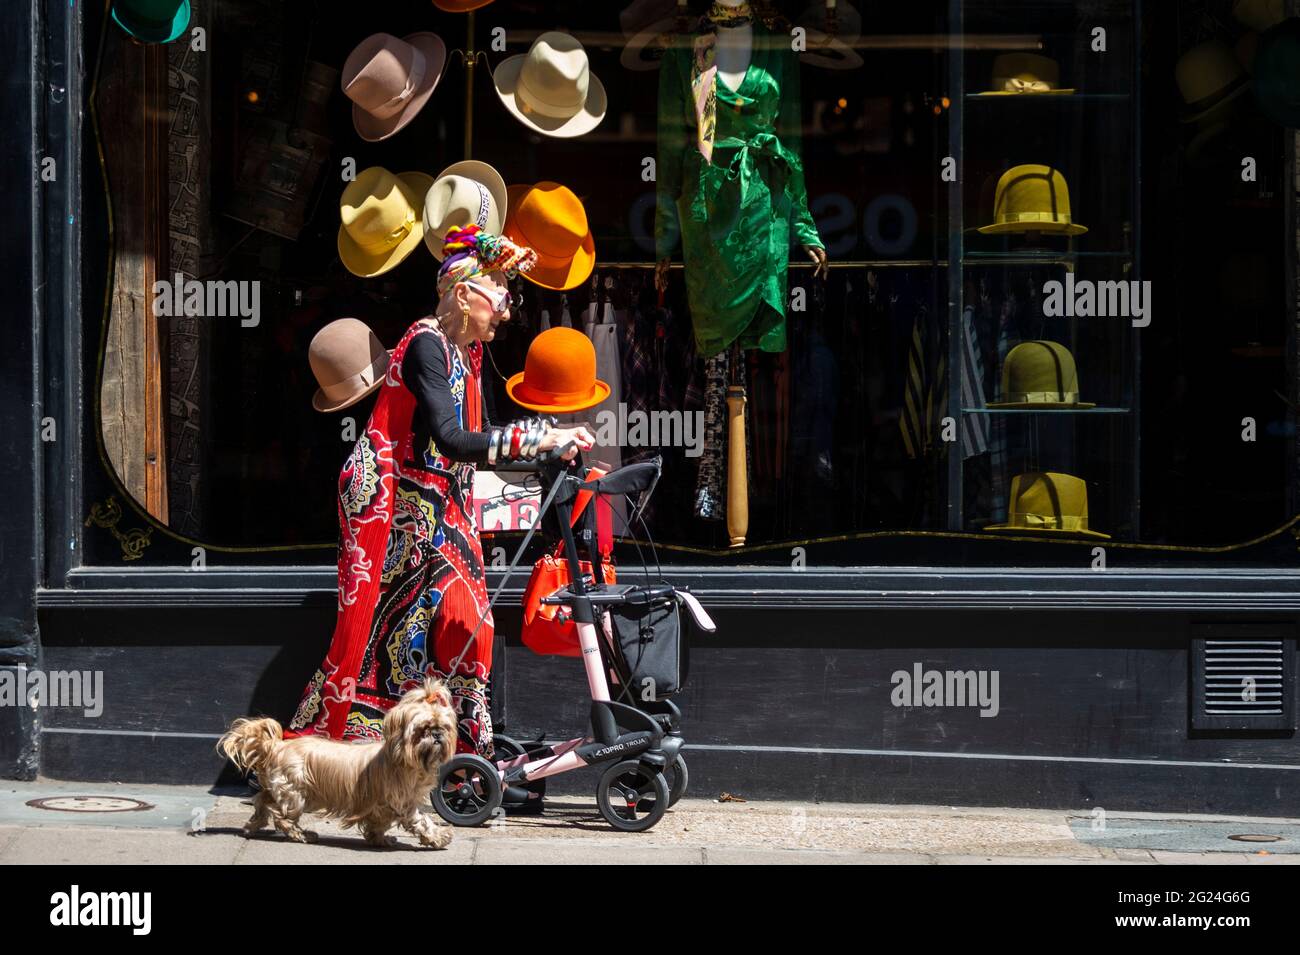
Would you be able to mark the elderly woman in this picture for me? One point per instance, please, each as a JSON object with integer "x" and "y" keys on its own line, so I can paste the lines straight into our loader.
{"x": 411, "y": 578}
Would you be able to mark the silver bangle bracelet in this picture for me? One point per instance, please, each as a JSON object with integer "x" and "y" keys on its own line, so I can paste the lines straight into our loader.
{"x": 494, "y": 440}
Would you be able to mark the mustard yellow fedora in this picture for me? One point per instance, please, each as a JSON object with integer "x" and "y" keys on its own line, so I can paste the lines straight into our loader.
{"x": 1050, "y": 504}
{"x": 1019, "y": 73}
{"x": 1040, "y": 374}
{"x": 1032, "y": 198}
{"x": 381, "y": 219}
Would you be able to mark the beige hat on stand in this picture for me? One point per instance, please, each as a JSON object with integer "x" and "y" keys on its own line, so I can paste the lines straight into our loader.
{"x": 349, "y": 362}
{"x": 465, "y": 193}
{"x": 551, "y": 87}
{"x": 390, "y": 79}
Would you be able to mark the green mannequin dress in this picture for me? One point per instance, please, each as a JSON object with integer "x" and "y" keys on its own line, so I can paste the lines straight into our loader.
{"x": 734, "y": 215}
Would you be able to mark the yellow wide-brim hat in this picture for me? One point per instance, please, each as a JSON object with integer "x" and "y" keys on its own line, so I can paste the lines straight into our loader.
{"x": 1026, "y": 74}
{"x": 1032, "y": 198}
{"x": 378, "y": 204}
{"x": 1040, "y": 375}
{"x": 1048, "y": 504}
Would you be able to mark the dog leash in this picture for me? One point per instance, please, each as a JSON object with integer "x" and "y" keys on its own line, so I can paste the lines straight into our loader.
{"x": 555, "y": 487}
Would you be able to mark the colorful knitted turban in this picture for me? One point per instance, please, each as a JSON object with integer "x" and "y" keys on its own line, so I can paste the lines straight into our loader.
{"x": 471, "y": 251}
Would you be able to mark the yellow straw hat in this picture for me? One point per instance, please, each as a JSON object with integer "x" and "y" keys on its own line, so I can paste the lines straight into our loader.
{"x": 381, "y": 216}
{"x": 1040, "y": 374}
{"x": 1050, "y": 504}
{"x": 1032, "y": 198}
{"x": 1015, "y": 74}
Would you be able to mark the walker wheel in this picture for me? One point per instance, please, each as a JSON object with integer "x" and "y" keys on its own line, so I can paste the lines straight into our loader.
{"x": 631, "y": 797}
{"x": 469, "y": 790}
{"x": 678, "y": 779}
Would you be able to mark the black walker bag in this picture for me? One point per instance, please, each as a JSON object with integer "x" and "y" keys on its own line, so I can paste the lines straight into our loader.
{"x": 650, "y": 645}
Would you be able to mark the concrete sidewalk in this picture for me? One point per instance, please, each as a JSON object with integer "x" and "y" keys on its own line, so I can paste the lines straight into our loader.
{"x": 192, "y": 824}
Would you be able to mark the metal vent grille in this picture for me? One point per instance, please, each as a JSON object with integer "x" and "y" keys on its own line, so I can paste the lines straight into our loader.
{"x": 1242, "y": 677}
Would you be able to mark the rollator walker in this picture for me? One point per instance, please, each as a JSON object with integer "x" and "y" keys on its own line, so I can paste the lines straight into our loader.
{"x": 632, "y": 637}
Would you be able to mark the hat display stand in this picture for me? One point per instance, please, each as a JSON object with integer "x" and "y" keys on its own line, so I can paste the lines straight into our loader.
{"x": 1003, "y": 118}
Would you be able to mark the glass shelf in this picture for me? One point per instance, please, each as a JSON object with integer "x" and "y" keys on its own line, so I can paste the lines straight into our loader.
{"x": 1046, "y": 410}
{"x": 990, "y": 97}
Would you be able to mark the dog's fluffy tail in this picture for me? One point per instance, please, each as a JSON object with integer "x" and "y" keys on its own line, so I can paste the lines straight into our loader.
{"x": 250, "y": 742}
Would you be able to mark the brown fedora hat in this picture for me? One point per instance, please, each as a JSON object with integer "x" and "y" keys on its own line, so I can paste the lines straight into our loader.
{"x": 390, "y": 79}
{"x": 349, "y": 362}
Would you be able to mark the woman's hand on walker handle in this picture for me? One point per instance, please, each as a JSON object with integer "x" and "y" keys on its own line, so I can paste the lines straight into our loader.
{"x": 558, "y": 437}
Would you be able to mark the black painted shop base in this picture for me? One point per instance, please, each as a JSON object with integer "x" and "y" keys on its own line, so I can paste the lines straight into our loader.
{"x": 1093, "y": 708}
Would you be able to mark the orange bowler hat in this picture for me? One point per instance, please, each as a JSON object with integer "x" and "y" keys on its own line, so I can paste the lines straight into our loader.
{"x": 548, "y": 217}
{"x": 559, "y": 374}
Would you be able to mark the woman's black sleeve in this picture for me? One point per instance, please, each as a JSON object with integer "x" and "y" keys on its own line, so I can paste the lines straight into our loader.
{"x": 424, "y": 370}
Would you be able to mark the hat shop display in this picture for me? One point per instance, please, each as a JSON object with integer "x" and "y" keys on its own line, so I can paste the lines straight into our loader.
{"x": 381, "y": 221}
{"x": 550, "y": 219}
{"x": 349, "y": 362}
{"x": 1032, "y": 198}
{"x": 830, "y": 29}
{"x": 152, "y": 21}
{"x": 559, "y": 374}
{"x": 1049, "y": 504}
{"x": 389, "y": 80}
{"x": 551, "y": 88}
{"x": 465, "y": 193}
{"x": 1042, "y": 375}
{"x": 1017, "y": 74}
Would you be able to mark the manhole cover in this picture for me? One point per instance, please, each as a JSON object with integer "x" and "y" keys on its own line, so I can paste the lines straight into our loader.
{"x": 89, "y": 804}
{"x": 1255, "y": 837}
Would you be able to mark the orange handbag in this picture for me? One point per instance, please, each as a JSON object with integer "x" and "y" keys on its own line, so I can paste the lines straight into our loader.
{"x": 543, "y": 631}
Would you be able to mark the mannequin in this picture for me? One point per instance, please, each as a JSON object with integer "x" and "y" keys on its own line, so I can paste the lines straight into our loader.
{"x": 730, "y": 187}
{"x": 752, "y": 114}
{"x": 734, "y": 50}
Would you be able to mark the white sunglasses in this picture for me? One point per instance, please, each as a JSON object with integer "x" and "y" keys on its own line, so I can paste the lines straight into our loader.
{"x": 500, "y": 298}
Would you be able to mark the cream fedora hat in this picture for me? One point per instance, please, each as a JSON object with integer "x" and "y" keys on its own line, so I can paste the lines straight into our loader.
{"x": 465, "y": 193}
{"x": 551, "y": 87}
{"x": 349, "y": 362}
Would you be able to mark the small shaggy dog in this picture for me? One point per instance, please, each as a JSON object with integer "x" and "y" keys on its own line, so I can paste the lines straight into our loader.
{"x": 371, "y": 785}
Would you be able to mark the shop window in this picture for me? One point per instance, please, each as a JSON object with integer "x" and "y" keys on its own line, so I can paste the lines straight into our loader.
{"x": 1054, "y": 329}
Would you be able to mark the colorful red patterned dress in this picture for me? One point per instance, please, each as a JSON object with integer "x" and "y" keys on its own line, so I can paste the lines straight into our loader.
{"x": 411, "y": 579}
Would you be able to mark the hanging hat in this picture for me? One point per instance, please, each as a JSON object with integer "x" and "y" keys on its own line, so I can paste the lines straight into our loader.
{"x": 1047, "y": 503}
{"x": 1209, "y": 76}
{"x": 1018, "y": 73}
{"x": 381, "y": 222}
{"x": 559, "y": 374}
{"x": 1259, "y": 15}
{"x": 551, "y": 87}
{"x": 349, "y": 363}
{"x": 826, "y": 49}
{"x": 389, "y": 80}
{"x": 153, "y": 21}
{"x": 460, "y": 6}
{"x": 648, "y": 26}
{"x": 465, "y": 193}
{"x": 549, "y": 218}
{"x": 1277, "y": 73}
{"x": 1032, "y": 198}
{"x": 1040, "y": 375}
